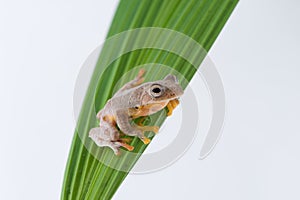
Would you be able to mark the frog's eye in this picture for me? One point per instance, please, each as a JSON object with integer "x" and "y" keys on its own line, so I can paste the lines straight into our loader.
{"x": 156, "y": 90}
{"x": 136, "y": 107}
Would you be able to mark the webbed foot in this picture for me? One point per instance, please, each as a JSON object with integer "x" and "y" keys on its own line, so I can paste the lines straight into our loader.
{"x": 145, "y": 140}
{"x": 125, "y": 145}
{"x": 140, "y": 77}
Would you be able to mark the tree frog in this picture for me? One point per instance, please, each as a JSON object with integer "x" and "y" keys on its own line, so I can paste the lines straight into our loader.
{"x": 135, "y": 99}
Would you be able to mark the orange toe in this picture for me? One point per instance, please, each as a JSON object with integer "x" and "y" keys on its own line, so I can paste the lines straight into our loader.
{"x": 127, "y": 146}
{"x": 146, "y": 140}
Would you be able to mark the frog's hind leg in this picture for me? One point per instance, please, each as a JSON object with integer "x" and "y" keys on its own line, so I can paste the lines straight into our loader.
{"x": 139, "y": 79}
{"x": 141, "y": 126}
{"x": 96, "y": 134}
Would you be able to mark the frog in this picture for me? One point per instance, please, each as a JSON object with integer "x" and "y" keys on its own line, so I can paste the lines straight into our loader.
{"x": 135, "y": 99}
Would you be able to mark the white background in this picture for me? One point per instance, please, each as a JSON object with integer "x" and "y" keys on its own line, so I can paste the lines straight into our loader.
{"x": 44, "y": 43}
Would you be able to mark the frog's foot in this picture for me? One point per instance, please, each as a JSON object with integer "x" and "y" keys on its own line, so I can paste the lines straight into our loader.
{"x": 171, "y": 106}
{"x": 125, "y": 145}
{"x": 116, "y": 150}
{"x": 141, "y": 73}
{"x": 155, "y": 129}
{"x": 145, "y": 140}
{"x": 140, "y": 77}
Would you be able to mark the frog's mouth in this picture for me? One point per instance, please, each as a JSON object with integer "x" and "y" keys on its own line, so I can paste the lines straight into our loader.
{"x": 155, "y": 107}
{"x": 147, "y": 109}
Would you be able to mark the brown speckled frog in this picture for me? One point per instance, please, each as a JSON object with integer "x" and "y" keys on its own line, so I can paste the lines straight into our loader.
{"x": 135, "y": 99}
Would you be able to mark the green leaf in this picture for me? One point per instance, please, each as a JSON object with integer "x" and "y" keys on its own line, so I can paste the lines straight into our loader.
{"x": 201, "y": 20}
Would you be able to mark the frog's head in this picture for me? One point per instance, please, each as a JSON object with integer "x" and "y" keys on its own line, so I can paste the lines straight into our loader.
{"x": 154, "y": 96}
{"x": 162, "y": 90}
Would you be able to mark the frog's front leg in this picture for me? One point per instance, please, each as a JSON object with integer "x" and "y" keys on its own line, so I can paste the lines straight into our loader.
{"x": 171, "y": 106}
{"x": 139, "y": 79}
{"x": 154, "y": 129}
{"x": 141, "y": 126}
{"x": 123, "y": 121}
